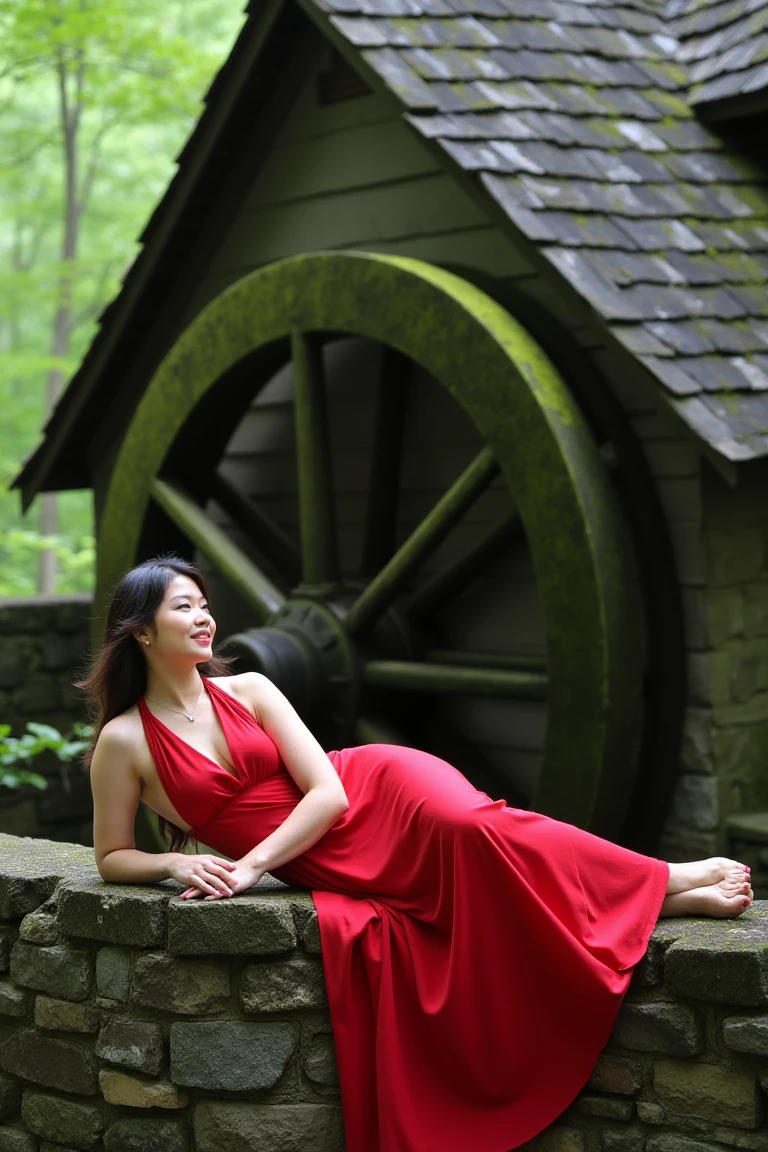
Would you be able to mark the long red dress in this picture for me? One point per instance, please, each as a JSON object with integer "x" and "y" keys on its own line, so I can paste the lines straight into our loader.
{"x": 475, "y": 955}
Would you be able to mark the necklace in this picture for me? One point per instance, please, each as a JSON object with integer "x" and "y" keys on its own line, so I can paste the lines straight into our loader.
{"x": 189, "y": 715}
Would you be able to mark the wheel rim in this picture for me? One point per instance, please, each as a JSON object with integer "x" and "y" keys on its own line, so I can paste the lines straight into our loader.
{"x": 534, "y": 434}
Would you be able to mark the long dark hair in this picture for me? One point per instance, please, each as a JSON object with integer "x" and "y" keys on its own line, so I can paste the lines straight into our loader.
{"x": 117, "y": 675}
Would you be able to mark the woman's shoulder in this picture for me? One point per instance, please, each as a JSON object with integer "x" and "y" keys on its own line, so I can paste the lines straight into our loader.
{"x": 244, "y": 686}
{"x": 123, "y": 731}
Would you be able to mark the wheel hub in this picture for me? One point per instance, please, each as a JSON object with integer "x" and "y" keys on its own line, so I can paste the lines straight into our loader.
{"x": 305, "y": 651}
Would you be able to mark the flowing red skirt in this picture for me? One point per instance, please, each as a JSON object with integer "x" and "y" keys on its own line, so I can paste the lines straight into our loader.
{"x": 475, "y": 954}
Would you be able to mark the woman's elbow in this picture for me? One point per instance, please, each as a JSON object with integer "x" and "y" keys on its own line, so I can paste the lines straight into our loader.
{"x": 340, "y": 800}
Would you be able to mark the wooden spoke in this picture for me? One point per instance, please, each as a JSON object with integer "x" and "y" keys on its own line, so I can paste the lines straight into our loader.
{"x": 372, "y": 730}
{"x": 386, "y": 586}
{"x": 402, "y": 675}
{"x": 230, "y": 561}
{"x": 317, "y": 518}
{"x": 512, "y": 662}
{"x": 445, "y": 585}
{"x": 384, "y": 483}
{"x": 265, "y": 534}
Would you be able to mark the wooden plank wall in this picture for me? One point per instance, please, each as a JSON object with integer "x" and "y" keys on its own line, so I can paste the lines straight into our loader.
{"x": 352, "y": 175}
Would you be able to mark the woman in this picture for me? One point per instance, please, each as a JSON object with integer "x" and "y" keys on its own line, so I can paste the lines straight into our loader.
{"x": 458, "y": 934}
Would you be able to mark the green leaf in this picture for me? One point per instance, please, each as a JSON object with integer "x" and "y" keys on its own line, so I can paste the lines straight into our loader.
{"x": 45, "y": 732}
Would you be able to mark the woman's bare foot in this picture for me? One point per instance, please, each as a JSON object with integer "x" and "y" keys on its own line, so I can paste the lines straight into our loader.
{"x": 709, "y": 900}
{"x": 704, "y": 873}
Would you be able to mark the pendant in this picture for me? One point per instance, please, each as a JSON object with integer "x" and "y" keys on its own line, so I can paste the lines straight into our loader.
{"x": 190, "y": 718}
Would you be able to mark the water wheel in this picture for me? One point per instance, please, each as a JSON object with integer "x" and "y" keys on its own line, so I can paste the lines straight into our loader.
{"x": 358, "y": 642}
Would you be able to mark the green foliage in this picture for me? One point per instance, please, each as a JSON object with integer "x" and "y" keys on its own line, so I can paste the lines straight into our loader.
{"x": 15, "y": 751}
{"x": 119, "y": 83}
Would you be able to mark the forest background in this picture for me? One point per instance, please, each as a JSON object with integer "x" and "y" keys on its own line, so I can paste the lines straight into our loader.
{"x": 96, "y": 99}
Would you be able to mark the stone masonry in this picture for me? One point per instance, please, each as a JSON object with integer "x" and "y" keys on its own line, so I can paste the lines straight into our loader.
{"x": 136, "y": 1022}
{"x": 43, "y": 647}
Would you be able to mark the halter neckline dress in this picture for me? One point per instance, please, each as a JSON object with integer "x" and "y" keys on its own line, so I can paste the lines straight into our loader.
{"x": 475, "y": 955}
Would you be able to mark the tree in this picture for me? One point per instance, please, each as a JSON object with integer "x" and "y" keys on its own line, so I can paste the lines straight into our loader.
{"x": 96, "y": 96}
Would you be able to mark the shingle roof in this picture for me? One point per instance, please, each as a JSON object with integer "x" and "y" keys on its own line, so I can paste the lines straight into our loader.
{"x": 573, "y": 116}
{"x": 724, "y": 45}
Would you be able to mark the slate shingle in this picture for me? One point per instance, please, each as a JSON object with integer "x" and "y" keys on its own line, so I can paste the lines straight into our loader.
{"x": 574, "y": 118}
{"x": 725, "y": 47}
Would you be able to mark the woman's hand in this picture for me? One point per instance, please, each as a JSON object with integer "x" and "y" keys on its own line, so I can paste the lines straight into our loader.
{"x": 208, "y": 875}
{"x": 240, "y": 877}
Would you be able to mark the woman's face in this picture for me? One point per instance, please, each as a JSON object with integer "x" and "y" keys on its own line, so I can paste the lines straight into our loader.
{"x": 183, "y": 622}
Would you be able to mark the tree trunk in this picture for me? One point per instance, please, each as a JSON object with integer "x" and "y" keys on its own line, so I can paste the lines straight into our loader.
{"x": 62, "y": 322}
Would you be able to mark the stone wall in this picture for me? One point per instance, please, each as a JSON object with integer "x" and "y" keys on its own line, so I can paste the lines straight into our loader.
{"x": 135, "y": 1021}
{"x": 724, "y": 764}
{"x": 44, "y": 641}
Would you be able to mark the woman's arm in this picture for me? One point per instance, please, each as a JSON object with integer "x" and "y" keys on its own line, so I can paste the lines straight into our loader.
{"x": 324, "y": 799}
{"x": 116, "y": 793}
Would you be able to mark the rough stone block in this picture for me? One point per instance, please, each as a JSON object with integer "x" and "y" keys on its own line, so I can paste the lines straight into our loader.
{"x": 725, "y": 965}
{"x": 253, "y": 925}
{"x": 283, "y": 986}
{"x": 320, "y": 1064}
{"x": 8, "y": 936}
{"x": 245, "y": 1127}
{"x": 30, "y": 870}
{"x": 39, "y": 927}
{"x": 606, "y": 1106}
{"x": 10, "y": 1097}
{"x": 736, "y": 556}
{"x": 188, "y": 987}
{"x": 659, "y": 1027}
{"x": 146, "y": 1136}
{"x": 650, "y": 1113}
{"x": 70, "y": 1122}
{"x": 60, "y": 653}
{"x": 117, "y": 915}
{"x": 38, "y": 694}
{"x": 557, "y": 1140}
{"x": 618, "y": 1074}
{"x": 673, "y": 1142}
{"x": 694, "y": 804}
{"x": 17, "y": 1140}
{"x": 58, "y": 806}
{"x": 134, "y": 1044}
{"x": 755, "y": 610}
{"x": 13, "y": 663}
{"x": 113, "y": 973}
{"x": 131, "y": 1092}
{"x": 51, "y": 1062}
{"x": 709, "y": 1092}
{"x": 309, "y": 938}
{"x": 678, "y": 844}
{"x": 753, "y": 1141}
{"x": 623, "y": 1140}
{"x": 747, "y": 1034}
{"x": 14, "y": 1001}
{"x": 696, "y": 751}
{"x": 64, "y": 972}
{"x": 726, "y": 615}
{"x": 230, "y": 1054}
{"x": 65, "y": 1015}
